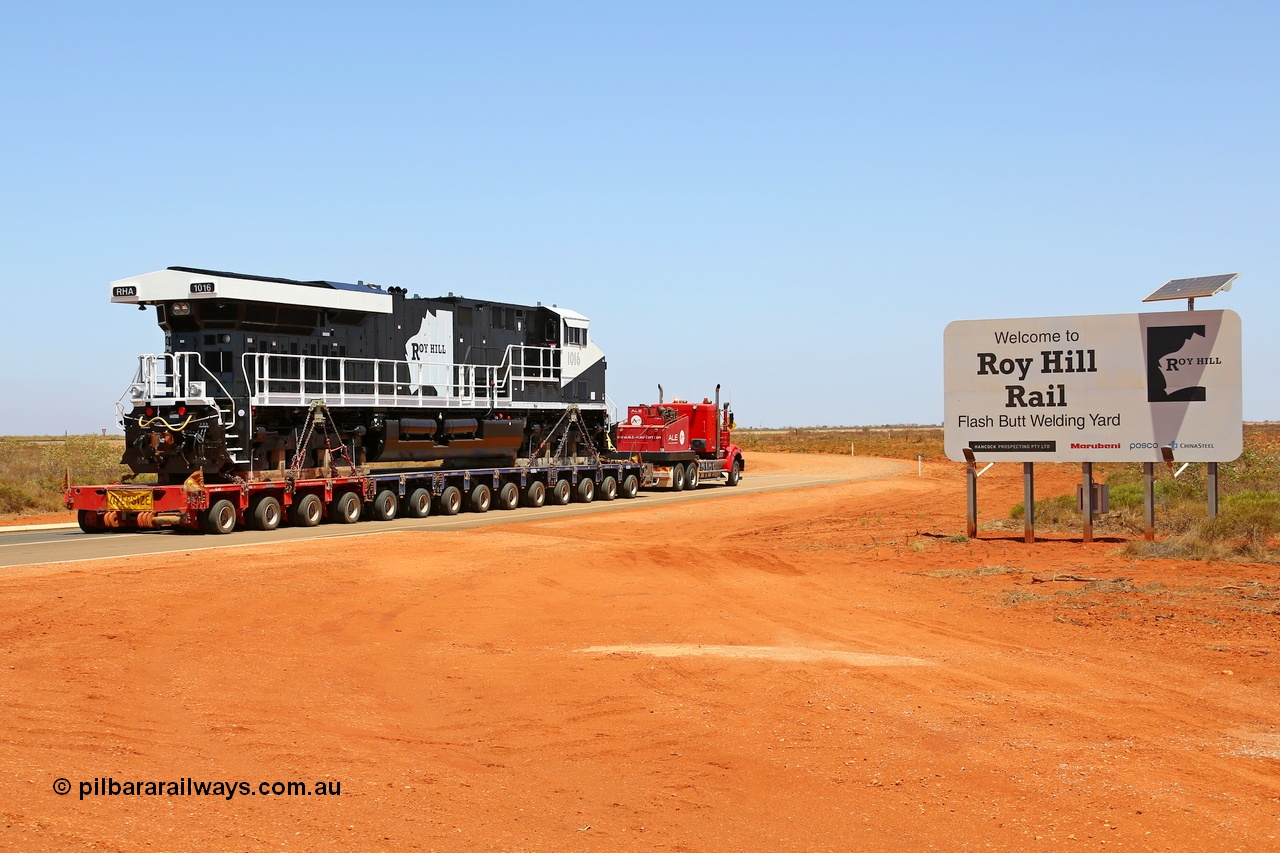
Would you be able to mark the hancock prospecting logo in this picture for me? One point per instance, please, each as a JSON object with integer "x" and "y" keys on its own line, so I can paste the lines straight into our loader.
{"x": 1176, "y": 360}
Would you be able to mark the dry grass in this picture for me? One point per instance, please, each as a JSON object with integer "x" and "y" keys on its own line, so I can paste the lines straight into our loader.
{"x": 1248, "y": 518}
{"x": 890, "y": 442}
{"x": 31, "y": 469}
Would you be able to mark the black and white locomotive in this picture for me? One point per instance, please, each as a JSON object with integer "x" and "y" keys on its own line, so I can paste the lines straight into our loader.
{"x": 263, "y": 374}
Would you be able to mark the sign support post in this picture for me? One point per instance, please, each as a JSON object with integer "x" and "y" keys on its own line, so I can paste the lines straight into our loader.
{"x": 1213, "y": 489}
{"x": 1029, "y": 502}
{"x": 1086, "y": 501}
{"x": 1149, "y": 501}
{"x": 971, "y": 493}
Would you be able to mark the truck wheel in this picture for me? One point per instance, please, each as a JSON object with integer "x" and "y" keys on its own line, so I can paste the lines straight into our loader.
{"x": 608, "y": 488}
{"x": 418, "y": 504}
{"x": 90, "y": 522}
{"x": 535, "y": 494}
{"x": 508, "y": 496}
{"x": 586, "y": 490}
{"x": 691, "y": 475}
{"x": 677, "y": 478}
{"x": 735, "y": 473}
{"x": 219, "y": 518}
{"x": 384, "y": 505}
{"x": 481, "y": 498}
{"x": 345, "y": 508}
{"x": 561, "y": 493}
{"x": 306, "y": 511}
{"x": 266, "y": 514}
{"x": 630, "y": 486}
{"x": 450, "y": 500}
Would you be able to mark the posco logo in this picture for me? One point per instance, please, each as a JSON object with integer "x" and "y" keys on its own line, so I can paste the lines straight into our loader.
{"x": 1173, "y": 445}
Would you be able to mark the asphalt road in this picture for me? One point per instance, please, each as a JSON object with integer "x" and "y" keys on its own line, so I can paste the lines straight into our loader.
{"x": 69, "y": 546}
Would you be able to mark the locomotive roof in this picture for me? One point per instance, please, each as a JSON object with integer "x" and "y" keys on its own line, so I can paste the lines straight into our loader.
{"x": 188, "y": 283}
{"x": 177, "y": 283}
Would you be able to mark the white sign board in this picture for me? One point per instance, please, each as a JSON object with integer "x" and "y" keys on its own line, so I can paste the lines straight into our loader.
{"x": 1104, "y": 388}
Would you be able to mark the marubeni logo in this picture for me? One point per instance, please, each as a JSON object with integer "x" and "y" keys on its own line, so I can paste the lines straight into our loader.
{"x": 1075, "y": 446}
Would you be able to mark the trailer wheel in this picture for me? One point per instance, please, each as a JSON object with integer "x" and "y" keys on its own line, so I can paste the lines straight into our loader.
{"x": 508, "y": 496}
{"x": 608, "y": 488}
{"x": 561, "y": 494}
{"x": 586, "y": 490}
{"x": 630, "y": 486}
{"x": 535, "y": 494}
{"x": 418, "y": 504}
{"x": 306, "y": 511}
{"x": 266, "y": 514}
{"x": 384, "y": 505}
{"x": 735, "y": 473}
{"x": 90, "y": 522}
{"x": 691, "y": 475}
{"x": 219, "y": 518}
{"x": 345, "y": 508}
{"x": 677, "y": 478}
{"x": 481, "y": 498}
{"x": 450, "y": 500}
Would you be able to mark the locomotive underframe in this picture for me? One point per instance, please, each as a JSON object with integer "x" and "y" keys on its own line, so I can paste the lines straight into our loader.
{"x": 355, "y": 437}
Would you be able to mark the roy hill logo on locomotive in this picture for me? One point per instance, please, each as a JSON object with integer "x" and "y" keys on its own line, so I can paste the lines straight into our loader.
{"x": 1095, "y": 388}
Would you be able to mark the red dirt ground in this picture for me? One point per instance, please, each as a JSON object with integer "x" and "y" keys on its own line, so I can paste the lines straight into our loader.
{"x": 64, "y": 517}
{"x": 441, "y": 678}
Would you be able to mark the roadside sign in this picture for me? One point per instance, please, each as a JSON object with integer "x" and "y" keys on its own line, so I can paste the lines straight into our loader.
{"x": 1100, "y": 388}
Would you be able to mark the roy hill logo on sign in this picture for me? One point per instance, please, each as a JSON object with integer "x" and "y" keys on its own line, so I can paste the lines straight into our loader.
{"x": 1176, "y": 359}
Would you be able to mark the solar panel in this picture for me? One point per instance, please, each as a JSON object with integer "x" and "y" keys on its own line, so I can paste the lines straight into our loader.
{"x": 1190, "y": 288}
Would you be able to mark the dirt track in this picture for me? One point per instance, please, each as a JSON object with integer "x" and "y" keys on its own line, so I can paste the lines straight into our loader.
{"x": 823, "y": 669}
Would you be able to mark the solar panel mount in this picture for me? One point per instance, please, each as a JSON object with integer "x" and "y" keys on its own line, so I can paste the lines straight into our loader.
{"x": 1191, "y": 288}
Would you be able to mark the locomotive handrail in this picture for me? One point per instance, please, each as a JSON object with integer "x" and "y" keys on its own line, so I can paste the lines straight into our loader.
{"x": 544, "y": 367}
{"x": 277, "y": 379}
{"x": 172, "y": 376}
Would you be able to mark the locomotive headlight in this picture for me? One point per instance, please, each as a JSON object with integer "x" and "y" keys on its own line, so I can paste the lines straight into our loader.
{"x": 181, "y": 309}
{"x": 135, "y": 391}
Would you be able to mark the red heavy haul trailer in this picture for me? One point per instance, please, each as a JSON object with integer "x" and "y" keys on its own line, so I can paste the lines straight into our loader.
{"x": 349, "y": 496}
{"x": 685, "y": 443}
{"x": 345, "y": 493}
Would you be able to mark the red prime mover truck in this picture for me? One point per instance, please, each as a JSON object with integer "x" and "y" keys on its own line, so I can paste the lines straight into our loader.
{"x": 685, "y": 443}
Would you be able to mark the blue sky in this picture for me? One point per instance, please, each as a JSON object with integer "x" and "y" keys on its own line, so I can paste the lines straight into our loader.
{"x": 789, "y": 199}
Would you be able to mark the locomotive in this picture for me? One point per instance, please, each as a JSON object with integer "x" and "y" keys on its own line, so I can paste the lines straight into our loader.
{"x": 260, "y": 375}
